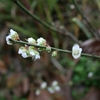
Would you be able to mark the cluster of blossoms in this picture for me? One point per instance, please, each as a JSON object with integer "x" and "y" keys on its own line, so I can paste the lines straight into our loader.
{"x": 29, "y": 50}
{"x": 51, "y": 89}
{"x": 32, "y": 47}
{"x": 42, "y": 86}
{"x": 54, "y": 87}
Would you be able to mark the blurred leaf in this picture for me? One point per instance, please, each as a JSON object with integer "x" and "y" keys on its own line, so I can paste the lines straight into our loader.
{"x": 33, "y": 4}
{"x": 83, "y": 27}
{"x": 2, "y": 98}
{"x": 25, "y": 32}
{"x": 6, "y": 5}
{"x": 51, "y": 4}
{"x": 98, "y": 3}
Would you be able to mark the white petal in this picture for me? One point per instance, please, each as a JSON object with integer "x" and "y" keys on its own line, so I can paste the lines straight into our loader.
{"x": 8, "y": 37}
{"x": 12, "y": 32}
{"x": 57, "y": 88}
{"x": 43, "y": 85}
{"x": 41, "y": 41}
{"x": 50, "y": 89}
{"x": 24, "y": 55}
{"x": 37, "y": 56}
{"x": 9, "y": 43}
{"x": 31, "y": 40}
{"x": 54, "y": 83}
{"x": 20, "y": 51}
{"x": 32, "y": 53}
{"x": 37, "y": 92}
{"x": 76, "y": 51}
{"x": 7, "y": 40}
{"x": 90, "y": 74}
{"x": 75, "y": 47}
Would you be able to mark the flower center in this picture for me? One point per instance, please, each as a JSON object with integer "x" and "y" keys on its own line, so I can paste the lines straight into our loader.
{"x": 76, "y": 52}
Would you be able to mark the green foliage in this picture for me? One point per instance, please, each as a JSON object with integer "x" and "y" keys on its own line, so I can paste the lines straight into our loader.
{"x": 98, "y": 3}
{"x": 81, "y": 76}
{"x": 52, "y": 4}
{"x": 82, "y": 70}
{"x": 83, "y": 27}
{"x": 13, "y": 98}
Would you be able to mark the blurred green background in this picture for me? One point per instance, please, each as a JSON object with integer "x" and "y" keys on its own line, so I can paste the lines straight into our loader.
{"x": 78, "y": 79}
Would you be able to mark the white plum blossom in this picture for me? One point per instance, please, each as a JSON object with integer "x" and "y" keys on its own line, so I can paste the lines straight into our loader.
{"x": 57, "y": 88}
{"x": 37, "y": 56}
{"x": 54, "y": 83}
{"x": 23, "y": 51}
{"x": 31, "y": 40}
{"x": 90, "y": 74}
{"x": 76, "y": 51}
{"x": 48, "y": 48}
{"x": 12, "y": 35}
{"x": 50, "y": 89}
{"x": 54, "y": 87}
{"x": 72, "y": 6}
{"x": 12, "y": 32}
{"x": 41, "y": 41}
{"x": 37, "y": 92}
{"x": 8, "y": 40}
{"x": 54, "y": 53}
{"x": 29, "y": 51}
{"x": 43, "y": 85}
{"x": 34, "y": 53}
{"x": 24, "y": 55}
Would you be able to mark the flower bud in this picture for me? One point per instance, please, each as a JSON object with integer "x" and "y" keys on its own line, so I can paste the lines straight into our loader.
{"x": 43, "y": 85}
{"x": 48, "y": 49}
{"x": 31, "y": 40}
{"x": 12, "y": 36}
{"x": 41, "y": 41}
{"x": 54, "y": 53}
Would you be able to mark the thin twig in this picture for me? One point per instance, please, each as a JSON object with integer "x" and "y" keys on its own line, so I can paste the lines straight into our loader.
{"x": 46, "y": 24}
{"x": 59, "y": 50}
{"x": 97, "y": 35}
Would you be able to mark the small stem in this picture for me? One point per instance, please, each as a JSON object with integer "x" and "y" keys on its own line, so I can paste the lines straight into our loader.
{"x": 23, "y": 42}
{"x": 34, "y": 16}
{"x": 59, "y": 50}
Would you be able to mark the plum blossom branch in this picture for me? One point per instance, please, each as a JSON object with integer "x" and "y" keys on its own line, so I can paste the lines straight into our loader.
{"x": 39, "y": 46}
{"x": 32, "y": 47}
{"x": 57, "y": 49}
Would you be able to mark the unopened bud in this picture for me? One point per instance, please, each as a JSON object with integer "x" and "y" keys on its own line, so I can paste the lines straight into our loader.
{"x": 54, "y": 53}
{"x": 48, "y": 49}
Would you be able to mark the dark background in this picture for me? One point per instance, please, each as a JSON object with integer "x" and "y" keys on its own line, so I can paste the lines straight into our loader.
{"x": 79, "y": 79}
